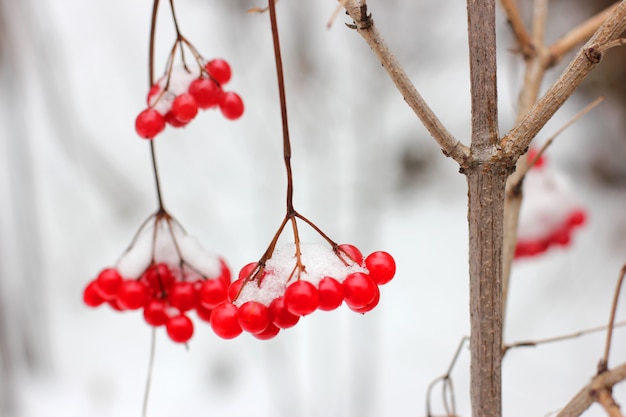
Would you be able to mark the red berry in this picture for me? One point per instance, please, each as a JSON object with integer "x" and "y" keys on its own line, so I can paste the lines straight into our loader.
{"x": 155, "y": 313}
{"x": 171, "y": 120}
{"x": 358, "y": 289}
{"x": 353, "y": 253}
{"x": 154, "y": 90}
{"x": 330, "y": 293}
{"x": 281, "y": 317}
{"x": 109, "y": 281}
{"x": 231, "y": 105}
{"x": 212, "y": 292}
{"x": 206, "y": 92}
{"x": 253, "y": 317}
{"x": 381, "y": 267}
{"x": 225, "y": 275}
{"x": 203, "y": 312}
{"x": 268, "y": 333}
{"x": 369, "y": 306}
{"x": 301, "y": 298}
{"x": 247, "y": 270}
{"x": 184, "y": 108}
{"x": 132, "y": 294}
{"x": 224, "y": 321}
{"x": 179, "y": 328}
{"x": 91, "y": 296}
{"x": 182, "y": 295}
{"x": 159, "y": 278}
{"x": 149, "y": 123}
{"x": 219, "y": 70}
{"x": 116, "y": 305}
{"x": 577, "y": 218}
{"x": 233, "y": 290}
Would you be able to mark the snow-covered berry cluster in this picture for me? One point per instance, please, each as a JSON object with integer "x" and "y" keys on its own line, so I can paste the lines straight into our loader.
{"x": 176, "y": 98}
{"x": 549, "y": 213}
{"x": 267, "y": 298}
{"x": 167, "y": 278}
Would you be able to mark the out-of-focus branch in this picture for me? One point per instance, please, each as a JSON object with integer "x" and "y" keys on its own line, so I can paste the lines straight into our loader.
{"x": 519, "y": 29}
{"x": 520, "y": 136}
{"x": 604, "y": 362}
{"x": 578, "y": 35}
{"x": 364, "y": 26}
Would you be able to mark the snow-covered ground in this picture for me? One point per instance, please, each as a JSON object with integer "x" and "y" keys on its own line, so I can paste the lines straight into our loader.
{"x": 80, "y": 78}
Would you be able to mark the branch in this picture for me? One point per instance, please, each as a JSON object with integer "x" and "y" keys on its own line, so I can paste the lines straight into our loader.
{"x": 603, "y": 365}
{"x": 364, "y": 25}
{"x": 578, "y": 35}
{"x": 517, "y": 25}
{"x": 484, "y": 89}
{"x": 519, "y": 138}
{"x": 586, "y": 396}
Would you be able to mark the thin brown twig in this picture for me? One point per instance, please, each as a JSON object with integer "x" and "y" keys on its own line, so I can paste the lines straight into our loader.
{"x": 604, "y": 362}
{"x": 447, "y": 387}
{"x": 605, "y": 398}
{"x": 551, "y": 139}
{"x": 578, "y": 35}
{"x": 364, "y": 26}
{"x": 560, "y": 338}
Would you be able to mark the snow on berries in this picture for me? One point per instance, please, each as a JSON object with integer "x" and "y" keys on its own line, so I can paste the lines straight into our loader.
{"x": 549, "y": 214}
{"x": 176, "y": 98}
{"x": 266, "y": 299}
{"x": 167, "y": 275}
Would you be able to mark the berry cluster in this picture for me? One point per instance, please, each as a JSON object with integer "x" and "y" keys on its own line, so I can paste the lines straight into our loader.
{"x": 177, "y": 97}
{"x": 549, "y": 213}
{"x": 265, "y": 299}
{"x": 166, "y": 294}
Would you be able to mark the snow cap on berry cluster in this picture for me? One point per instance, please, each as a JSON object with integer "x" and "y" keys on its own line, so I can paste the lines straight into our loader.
{"x": 319, "y": 259}
{"x": 161, "y": 245}
{"x": 180, "y": 80}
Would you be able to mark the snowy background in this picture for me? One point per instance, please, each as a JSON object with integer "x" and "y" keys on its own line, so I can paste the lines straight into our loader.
{"x": 76, "y": 183}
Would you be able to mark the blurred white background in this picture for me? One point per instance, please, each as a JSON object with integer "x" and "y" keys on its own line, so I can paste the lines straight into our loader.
{"x": 76, "y": 183}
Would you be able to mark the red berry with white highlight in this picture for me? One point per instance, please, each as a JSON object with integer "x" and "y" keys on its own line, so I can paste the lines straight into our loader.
{"x": 224, "y": 321}
{"x": 132, "y": 295}
{"x": 206, "y": 92}
{"x": 381, "y": 267}
{"x": 149, "y": 123}
{"x": 270, "y": 332}
{"x": 109, "y": 281}
{"x": 281, "y": 317}
{"x": 155, "y": 313}
{"x": 253, "y": 317}
{"x": 91, "y": 296}
{"x": 301, "y": 298}
{"x": 182, "y": 295}
{"x": 179, "y": 328}
{"x": 219, "y": 69}
{"x": 330, "y": 293}
{"x": 184, "y": 108}
{"x": 231, "y": 105}
{"x": 212, "y": 292}
{"x": 359, "y": 290}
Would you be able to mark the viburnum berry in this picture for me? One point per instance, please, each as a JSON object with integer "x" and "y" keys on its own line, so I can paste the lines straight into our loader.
{"x": 149, "y": 123}
{"x": 353, "y": 253}
{"x": 132, "y": 294}
{"x": 116, "y": 305}
{"x": 225, "y": 275}
{"x": 270, "y": 332}
{"x": 203, "y": 312}
{"x": 577, "y": 218}
{"x": 359, "y": 290}
{"x": 171, "y": 120}
{"x": 281, "y": 317}
{"x": 155, "y": 312}
{"x": 154, "y": 90}
{"x": 91, "y": 296}
{"x": 182, "y": 295}
{"x": 381, "y": 267}
{"x": 109, "y": 281}
{"x": 224, "y": 321}
{"x": 231, "y": 105}
{"x": 253, "y": 317}
{"x": 247, "y": 270}
{"x": 301, "y": 298}
{"x": 179, "y": 328}
{"x": 184, "y": 107}
{"x": 219, "y": 69}
{"x": 369, "y": 306}
{"x": 206, "y": 92}
{"x": 234, "y": 289}
{"x": 159, "y": 277}
{"x": 330, "y": 294}
{"x": 212, "y": 292}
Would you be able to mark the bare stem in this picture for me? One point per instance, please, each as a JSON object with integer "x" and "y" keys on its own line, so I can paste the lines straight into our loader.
{"x": 519, "y": 29}
{"x": 604, "y": 362}
{"x": 146, "y": 394}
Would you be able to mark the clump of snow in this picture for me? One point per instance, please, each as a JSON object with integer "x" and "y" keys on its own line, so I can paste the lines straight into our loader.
{"x": 164, "y": 244}
{"x": 180, "y": 80}
{"x": 547, "y": 205}
{"x": 319, "y": 260}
